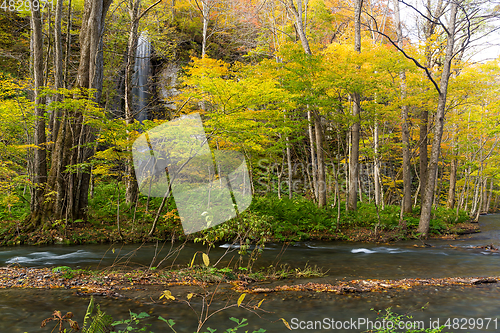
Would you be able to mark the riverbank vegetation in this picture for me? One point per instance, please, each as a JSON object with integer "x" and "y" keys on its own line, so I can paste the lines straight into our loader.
{"x": 348, "y": 129}
{"x": 269, "y": 219}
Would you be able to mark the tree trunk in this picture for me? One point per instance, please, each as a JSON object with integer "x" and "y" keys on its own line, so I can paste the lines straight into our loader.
{"x": 205, "y": 12}
{"x": 299, "y": 24}
{"x": 423, "y": 158}
{"x": 437, "y": 188}
{"x": 465, "y": 190}
{"x": 488, "y": 201}
{"x": 39, "y": 139}
{"x": 475, "y": 198}
{"x": 376, "y": 166}
{"x": 354, "y": 156}
{"x": 425, "y": 217}
{"x": 68, "y": 46}
{"x": 356, "y": 109}
{"x": 72, "y": 146}
{"x": 314, "y": 165}
{"x": 484, "y": 196}
{"x": 321, "y": 161}
{"x": 428, "y": 29}
{"x": 58, "y": 68}
{"x": 480, "y": 197}
{"x": 46, "y": 69}
{"x": 131, "y": 191}
{"x": 406, "y": 206}
{"x": 58, "y": 52}
{"x": 290, "y": 168}
{"x": 360, "y": 185}
{"x": 318, "y": 170}
{"x": 453, "y": 183}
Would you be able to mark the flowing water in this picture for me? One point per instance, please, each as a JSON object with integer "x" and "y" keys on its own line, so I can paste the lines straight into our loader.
{"x": 141, "y": 77}
{"x": 23, "y": 310}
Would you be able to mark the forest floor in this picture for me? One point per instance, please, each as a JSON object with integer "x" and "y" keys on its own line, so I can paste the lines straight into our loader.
{"x": 88, "y": 233}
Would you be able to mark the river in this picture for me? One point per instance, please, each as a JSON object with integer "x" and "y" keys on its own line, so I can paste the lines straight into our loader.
{"x": 23, "y": 310}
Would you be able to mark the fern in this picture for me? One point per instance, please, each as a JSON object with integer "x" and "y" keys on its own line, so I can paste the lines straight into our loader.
{"x": 90, "y": 309}
{"x": 100, "y": 323}
{"x": 100, "y": 320}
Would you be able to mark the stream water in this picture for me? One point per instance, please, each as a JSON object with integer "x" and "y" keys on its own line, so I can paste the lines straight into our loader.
{"x": 23, "y": 310}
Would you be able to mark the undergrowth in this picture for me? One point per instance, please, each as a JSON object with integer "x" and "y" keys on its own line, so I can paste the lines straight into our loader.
{"x": 267, "y": 219}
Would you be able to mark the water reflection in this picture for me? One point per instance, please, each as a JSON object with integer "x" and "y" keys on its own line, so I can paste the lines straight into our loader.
{"x": 23, "y": 310}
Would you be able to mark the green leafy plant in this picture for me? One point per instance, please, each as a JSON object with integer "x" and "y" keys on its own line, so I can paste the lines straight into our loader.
{"x": 67, "y": 272}
{"x": 132, "y": 323}
{"x": 239, "y": 324}
{"x": 388, "y": 316}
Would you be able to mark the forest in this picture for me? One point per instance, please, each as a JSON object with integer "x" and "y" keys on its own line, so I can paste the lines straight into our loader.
{"x": 358, "y": 120}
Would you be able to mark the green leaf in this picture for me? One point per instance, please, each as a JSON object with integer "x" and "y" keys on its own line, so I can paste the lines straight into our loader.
{"x": 142, "y": 315}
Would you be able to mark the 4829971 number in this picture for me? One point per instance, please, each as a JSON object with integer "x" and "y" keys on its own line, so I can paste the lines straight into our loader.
{"x": 25, "y": 5}
{"x": 471, "y": 323}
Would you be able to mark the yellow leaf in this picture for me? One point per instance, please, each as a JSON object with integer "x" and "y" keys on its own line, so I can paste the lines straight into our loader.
{"x": 206, "y": 260}
{"x": 167, "y": 294}
{"x": 260, "y": 303}
{"x": 113, "y": 250}
{"x": 189, "y": 296}
{"x": 286, "y": 323}
{"x": 240, "y": 300}
{"x": 192, "y": 261}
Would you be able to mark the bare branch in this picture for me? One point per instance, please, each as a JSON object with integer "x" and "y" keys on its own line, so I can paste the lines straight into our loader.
{"x": 427, "y": 72}
{"x": 433, "y": 20}
{"x": 147, "y": 10}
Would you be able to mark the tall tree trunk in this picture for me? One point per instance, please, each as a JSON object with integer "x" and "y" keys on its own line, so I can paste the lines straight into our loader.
{"x": 68, "y": 46}
{"x": 480, "y": 197}
{"x": 205, "y": 12}
{"x": 360, "y": 185}
{"x": 290, "y": 168}
{"x": 58, "y": 67}
{"x": 131, "y": 191}
{"x": 429, "y": 29}
{"x": 319, "y": 169}
{"x": 356, "y": 109}
{"x": 406, "y": 206}
{"x": 72, "y": 145}
{"x": 48, "y": 21}
{"x": 321, "y": 161}
{"x": 58, "y": 45}
{"x": 425, "y": 217}
{"x": 314, "y": 165}
{"x": 437, "y": 188}
{"x": 423, "y": 158}
{"x": 376, "y": 165}
{"x": 299, "y": 23}
{"x": 40, "y": 155}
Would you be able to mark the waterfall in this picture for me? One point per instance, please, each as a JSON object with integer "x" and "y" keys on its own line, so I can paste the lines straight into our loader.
{"x": 142, "y": 72}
